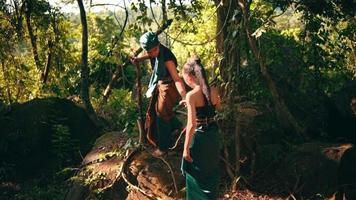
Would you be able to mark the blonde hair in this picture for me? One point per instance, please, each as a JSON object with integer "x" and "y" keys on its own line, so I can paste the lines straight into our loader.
{"x": 194, "y": 68}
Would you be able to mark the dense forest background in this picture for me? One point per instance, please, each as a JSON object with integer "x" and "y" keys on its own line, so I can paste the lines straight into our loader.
{"x": 286, "y": 71}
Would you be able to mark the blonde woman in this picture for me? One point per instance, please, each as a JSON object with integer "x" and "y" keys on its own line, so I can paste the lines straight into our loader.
{"x": 200, "y": 164}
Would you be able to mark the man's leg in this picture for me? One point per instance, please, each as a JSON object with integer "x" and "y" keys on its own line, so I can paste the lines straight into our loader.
{"x": 165, "y": 121}
{"x": 163, "y": 130}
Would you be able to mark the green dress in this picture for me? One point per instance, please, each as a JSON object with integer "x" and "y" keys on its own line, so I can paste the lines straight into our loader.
{"x": 202, "y": 175}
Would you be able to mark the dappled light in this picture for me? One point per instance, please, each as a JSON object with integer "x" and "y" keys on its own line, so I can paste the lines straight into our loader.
{"x": 177, "y": 99}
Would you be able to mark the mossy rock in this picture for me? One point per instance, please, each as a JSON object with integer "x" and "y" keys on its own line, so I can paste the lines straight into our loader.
{"x": 44, "y": 134}
{"x": 100, "y": 173}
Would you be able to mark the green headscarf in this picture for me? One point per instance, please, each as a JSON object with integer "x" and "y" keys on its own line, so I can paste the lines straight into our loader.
{"x": 149, "y": 40}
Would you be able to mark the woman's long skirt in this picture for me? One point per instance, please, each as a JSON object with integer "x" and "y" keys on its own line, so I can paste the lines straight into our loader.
{"x": 202, "y": 175}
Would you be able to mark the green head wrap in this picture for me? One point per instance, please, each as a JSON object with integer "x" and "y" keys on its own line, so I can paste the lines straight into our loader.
{"x": 149, "y": 40}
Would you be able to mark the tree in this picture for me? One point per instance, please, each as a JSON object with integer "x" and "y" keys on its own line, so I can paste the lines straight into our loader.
{"x": 28, "y": 6}
{"x": 84, "y": 91}
{"x": 284, "y": 115}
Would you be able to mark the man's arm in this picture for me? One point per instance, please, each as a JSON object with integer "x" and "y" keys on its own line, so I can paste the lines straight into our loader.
{"x": 138, "y": 59}
{"x": 177, "y": 80}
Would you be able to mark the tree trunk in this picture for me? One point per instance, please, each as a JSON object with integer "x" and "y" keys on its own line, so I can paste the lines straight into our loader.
{"x": 164, "y": 19}
{"x": 220, "y": 27}
{"x": 164, "y": 11}
{"x": 284, "y": 115}
{"x": 18, "y": 15}
{"x": 228, "y": 50}
{"x": 51, "y": 49}
{"x": 49, "y": 60}
{"x": 140, "y": 122}
{"x": 237, "y": 146}
{"x": 84, "y": 92}
{"x": 229, "y": 67}
{"x": 224, "y": 12}
{"x": 28, "y": 10}
{"x": 57, "y": 55}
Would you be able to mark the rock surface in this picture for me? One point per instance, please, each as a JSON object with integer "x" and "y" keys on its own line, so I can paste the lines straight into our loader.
{"x": 44, "y": 134}
{"x": 150, "y": 174}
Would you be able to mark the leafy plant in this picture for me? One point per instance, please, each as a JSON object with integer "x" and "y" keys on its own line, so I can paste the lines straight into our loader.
{"x": 121, "y": 111}
{"x": 33, "y": 190}
{"x": 63, "y": 146}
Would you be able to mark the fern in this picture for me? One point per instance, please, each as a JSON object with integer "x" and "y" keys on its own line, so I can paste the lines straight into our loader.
{"x": 63, "y": 146}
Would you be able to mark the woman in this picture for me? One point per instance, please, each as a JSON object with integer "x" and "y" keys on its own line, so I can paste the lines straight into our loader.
{"x": 200, "y": 163}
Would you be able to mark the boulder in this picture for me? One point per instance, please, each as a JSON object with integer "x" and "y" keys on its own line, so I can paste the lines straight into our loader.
{"x": 117, "y": 168}
{"x": 342, "y": 123}
{"x": 44, "y": 134}
{"x": 310, "y": 169}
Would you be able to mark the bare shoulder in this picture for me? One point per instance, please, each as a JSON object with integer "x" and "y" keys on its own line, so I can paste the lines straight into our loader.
{"x": 191, "y": 96}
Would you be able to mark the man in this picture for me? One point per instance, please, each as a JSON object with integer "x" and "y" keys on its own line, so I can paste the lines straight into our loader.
{"x": 165, "y": 90}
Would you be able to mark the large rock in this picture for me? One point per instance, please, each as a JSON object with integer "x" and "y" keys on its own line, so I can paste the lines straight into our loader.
{"x": 311, "y": 169}
{"x": 342, "y": 123}
{"x": 153, "y": 175}
{"x": 44, "y": 134}
{"x": 102, "y": 168}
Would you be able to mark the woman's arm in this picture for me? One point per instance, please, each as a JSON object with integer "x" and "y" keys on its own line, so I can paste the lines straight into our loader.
{"x": 215, "y": 97}
{"x": 171, "y": 67}
{"x": 191, "y": 124}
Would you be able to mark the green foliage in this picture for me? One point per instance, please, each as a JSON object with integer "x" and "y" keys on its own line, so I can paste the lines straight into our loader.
{"x": 316, "y": 55}
{"x": 189, "y": 27}
{"x": 326, "y": 40}
{"x": 63, "y": 145}
{"x": 328, "y": 52}
{"x": 33, "y": 190}
{"x": 6, "y": 171}
{"x": 186, "y": 33}
{"x": 309, "y": 50}
{"x": 19, "y": 76}
{"x": 103, "y": 57}
{"x": 121, "y": 112}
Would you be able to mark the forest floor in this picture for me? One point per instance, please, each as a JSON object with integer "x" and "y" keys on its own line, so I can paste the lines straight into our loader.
{"x": 250, "y": 195}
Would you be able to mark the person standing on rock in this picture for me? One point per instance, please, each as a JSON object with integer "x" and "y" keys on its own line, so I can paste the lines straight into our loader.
{"x": 165, "y": 90}
{"x": 200, "y": 164}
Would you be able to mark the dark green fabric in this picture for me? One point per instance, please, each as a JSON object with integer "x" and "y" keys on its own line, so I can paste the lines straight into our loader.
{"x": 202, "y": 175}
{"x": 164, "y": 131}
{"x": 149, "y": 40}
{"x": 195, "y": 190}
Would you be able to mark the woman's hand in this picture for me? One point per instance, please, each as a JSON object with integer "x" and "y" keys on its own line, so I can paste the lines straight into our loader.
{"x": 186, "y": 155}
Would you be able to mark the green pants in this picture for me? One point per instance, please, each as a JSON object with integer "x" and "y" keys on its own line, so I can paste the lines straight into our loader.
{"x": 164, "y": 131}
